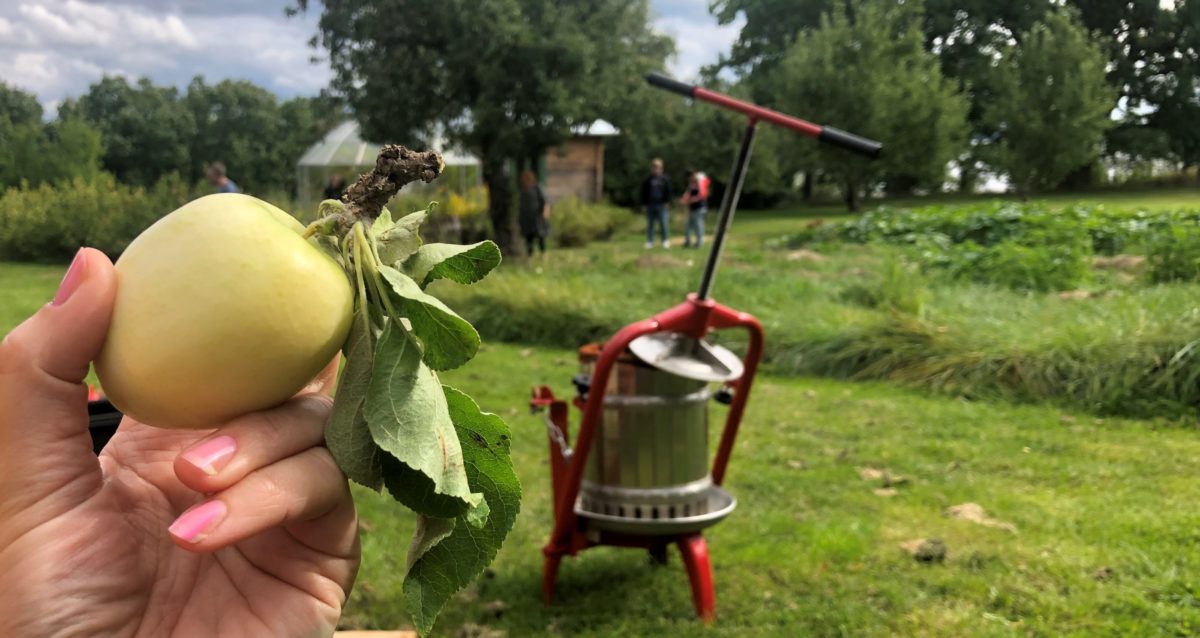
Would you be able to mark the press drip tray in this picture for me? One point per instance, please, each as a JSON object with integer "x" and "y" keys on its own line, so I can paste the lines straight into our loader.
{"x": 720, "y": 504}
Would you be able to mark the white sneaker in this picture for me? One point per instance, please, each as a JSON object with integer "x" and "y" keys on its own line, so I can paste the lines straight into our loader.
{"x": 666, "y": 243}
{"x": 649, "y": 245}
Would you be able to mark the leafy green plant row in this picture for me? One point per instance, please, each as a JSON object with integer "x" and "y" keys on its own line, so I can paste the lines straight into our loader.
{"x": 1026, "y": 246}
{"x": 1110, "y": 230}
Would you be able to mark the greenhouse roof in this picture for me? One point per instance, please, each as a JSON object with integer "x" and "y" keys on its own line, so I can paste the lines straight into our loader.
{"x": 599, "y": 128}
{"x": 344, "y": 146}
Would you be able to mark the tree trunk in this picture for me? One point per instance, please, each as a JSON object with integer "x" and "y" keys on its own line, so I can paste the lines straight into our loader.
{"x": 968, "y": 174}
{"x": 850, "y": 195}
{"x": 807, "y": 188}
{"x": 500, "y": 190}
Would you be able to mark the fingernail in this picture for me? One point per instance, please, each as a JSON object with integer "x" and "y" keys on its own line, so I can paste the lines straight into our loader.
{"x": 211, "y": 455}
{"x": 198, "y": 522}
{"x": 71, "y": 280}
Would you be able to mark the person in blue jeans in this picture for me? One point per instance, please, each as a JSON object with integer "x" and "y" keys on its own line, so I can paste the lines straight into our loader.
{"x": 696, "y": 200}
{"x": 656, "y": 198}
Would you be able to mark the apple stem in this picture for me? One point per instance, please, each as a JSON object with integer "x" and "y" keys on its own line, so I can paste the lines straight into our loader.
{"x": 395, "y": 167}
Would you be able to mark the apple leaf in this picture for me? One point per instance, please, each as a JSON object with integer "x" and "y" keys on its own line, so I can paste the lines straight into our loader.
{"x": 462, "y": 264}
{"x": 449, "y": 340}
{"x": 393, "y": 424}
{"x": 408, "y": 417}
{"x": 382, "y": 223}
{"x": 451, "y": 564}
{"x": 347, "y": 435}
{"x": 430, "y": 531}
{"x": 398, "y": 241}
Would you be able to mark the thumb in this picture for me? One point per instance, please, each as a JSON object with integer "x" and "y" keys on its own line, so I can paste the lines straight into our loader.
{"x": 44, "y": 440}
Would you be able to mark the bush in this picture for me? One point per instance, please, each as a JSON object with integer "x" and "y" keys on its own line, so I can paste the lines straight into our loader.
{"x": 49, "y": 223}
{"x": 576, "y": 223}
{"x": 460, "y": 218}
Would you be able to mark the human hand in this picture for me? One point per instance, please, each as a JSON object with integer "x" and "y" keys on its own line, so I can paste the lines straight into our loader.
{"x": 262, "y": 539}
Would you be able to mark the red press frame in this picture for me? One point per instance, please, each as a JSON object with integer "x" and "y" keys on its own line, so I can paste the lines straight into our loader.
{"x": 695, "y": 318}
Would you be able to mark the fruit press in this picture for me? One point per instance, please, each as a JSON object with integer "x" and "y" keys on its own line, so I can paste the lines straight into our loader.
{"x": 637, "y": 474}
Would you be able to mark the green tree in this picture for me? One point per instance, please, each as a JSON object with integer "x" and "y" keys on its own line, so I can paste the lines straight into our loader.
{"x": 866, "y": 70}
{"x": 506, "y": 78}
{"x": 19, "y": 106}
{"x": 144, "y": 127}
{"x": 962, "y": 33}
{"x": 238, "y": 124}
{"x": 1051, "y": 104}
{"x": 689, "y": 135}
{"x": 1174, "y": 86}
{"x": 37, "y": 153}
{"x": 257, "y": 137}
{"x": 303, "y": 121}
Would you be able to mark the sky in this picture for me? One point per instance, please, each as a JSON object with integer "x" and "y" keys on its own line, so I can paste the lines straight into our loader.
{"x": 56, "y": 48}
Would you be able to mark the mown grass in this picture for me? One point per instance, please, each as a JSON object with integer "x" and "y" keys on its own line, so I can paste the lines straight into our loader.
{"x": 23, "y": 289}
{"x": 1118, "y": 346}
{"x": 1103, "y": 508}
{"x": 1103, "y": 511}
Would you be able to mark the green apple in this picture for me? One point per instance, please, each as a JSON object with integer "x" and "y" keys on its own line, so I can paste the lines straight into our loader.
{"x": 222, "y": 308}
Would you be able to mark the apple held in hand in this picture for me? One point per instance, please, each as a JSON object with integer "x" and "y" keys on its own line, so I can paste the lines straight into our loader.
{"x": 222, "y": 308}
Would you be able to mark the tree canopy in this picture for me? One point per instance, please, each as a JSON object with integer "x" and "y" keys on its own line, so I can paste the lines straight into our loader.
{"x": 506, "y": 78}
{"x": 865, "y": 69}
{"x": 151, "y": 131}
{"x": 19, "y": 107}
{"x": 1051, "y": 104}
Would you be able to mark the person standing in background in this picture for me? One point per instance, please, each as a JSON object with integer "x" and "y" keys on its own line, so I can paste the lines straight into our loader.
{"x": 335, "y": 187}
{"x": 696, "y": 200}
{"x": 533, "y": 214}
{"x": 218, "y": 178}
{"x": 656, "y": 198}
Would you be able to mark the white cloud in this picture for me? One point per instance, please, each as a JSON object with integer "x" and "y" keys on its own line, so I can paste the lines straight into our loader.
{"x": 699, "y": 40}
{"x": 268, "y": 50}
{"x": 45, "y": 73}
{"x": 56, "y": 48}
{"x": 106, "y": 27}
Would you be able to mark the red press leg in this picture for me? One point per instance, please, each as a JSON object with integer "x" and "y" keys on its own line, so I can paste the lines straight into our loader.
{"x": 549, "y": 575}
{"x": 694, "y": 551}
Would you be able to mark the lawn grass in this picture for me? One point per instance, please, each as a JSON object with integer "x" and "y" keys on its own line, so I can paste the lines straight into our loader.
{"x": 1102, "y": 508}
{"x": 23, "y": 289}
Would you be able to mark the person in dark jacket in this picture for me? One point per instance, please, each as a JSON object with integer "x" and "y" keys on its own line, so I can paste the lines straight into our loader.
{"x": 533, "y": 213}
{"x": 656, "y": 198}
{"x": 335, "y": 187}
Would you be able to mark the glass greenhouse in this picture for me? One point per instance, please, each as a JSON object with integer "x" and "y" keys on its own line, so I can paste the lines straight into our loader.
{"x": 344, "y": 152}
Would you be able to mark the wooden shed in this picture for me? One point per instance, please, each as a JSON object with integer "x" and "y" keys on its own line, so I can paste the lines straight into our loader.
{"x": 576, "y": 168}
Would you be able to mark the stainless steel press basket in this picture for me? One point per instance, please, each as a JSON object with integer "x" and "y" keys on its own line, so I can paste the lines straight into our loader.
{"x": 648, "y": 471}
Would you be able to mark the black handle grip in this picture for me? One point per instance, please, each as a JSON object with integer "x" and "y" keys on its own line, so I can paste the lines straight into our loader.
{"x": 671, "y": 84}
{"x": 850, "y": 141}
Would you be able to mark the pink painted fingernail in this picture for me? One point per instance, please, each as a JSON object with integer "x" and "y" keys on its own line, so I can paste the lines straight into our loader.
{"x": 70, "y": 281}
{"x": 195, "y": 524}
{"x": 211, "y": 455}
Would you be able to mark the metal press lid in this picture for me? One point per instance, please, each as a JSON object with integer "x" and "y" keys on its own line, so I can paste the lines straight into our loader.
{"x": 686, "y": 357}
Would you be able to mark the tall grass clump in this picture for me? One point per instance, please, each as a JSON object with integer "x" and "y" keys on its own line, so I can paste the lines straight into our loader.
{"x": 1173, "y": 253}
